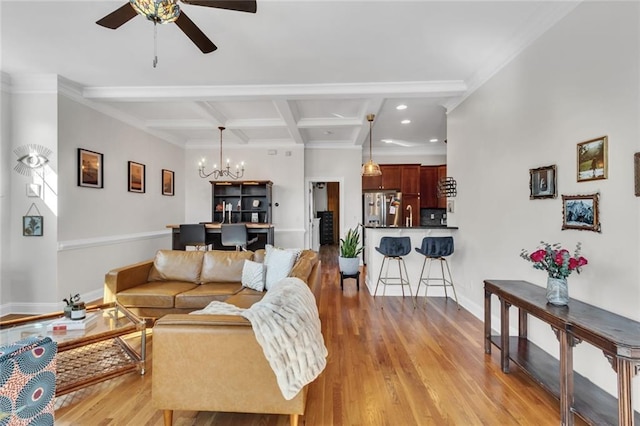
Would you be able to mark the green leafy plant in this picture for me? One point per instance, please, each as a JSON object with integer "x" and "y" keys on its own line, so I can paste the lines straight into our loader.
{"x": 72, "y": 299}
{"x": 349, "y": 244}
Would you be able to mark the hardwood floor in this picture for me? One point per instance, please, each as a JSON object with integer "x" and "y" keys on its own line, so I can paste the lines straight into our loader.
{"x": 388, "y": 364}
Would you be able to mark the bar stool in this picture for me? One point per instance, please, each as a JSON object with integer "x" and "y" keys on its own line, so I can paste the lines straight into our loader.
{"x": 436, "y": 248}
{"x": 393, "y": 248}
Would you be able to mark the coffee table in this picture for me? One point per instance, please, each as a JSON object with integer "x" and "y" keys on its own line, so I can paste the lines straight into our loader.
{"x": 89, "y": 356}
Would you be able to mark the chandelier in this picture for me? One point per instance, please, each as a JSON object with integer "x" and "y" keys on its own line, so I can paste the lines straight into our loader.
{"x": 370, "y": 168}
{"x": 221, "y": 172}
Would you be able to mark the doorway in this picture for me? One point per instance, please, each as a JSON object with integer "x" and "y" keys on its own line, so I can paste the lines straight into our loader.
{"x": 324, "y": 213}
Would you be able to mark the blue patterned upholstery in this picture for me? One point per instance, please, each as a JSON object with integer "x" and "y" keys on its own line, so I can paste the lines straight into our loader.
{"x": 28, "y": 382}
{"x": 436, "y": 246}
{"x": 394, "y": 246}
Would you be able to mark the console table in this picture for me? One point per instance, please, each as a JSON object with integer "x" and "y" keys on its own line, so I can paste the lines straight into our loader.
{"x": 618, "y": 337}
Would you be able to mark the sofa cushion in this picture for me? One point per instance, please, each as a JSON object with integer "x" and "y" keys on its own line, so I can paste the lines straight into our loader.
{"x": 176, "y": 265}
{"x": 279, "y": 263}
{"x": 223, "y": 266}
{"x": 303, "y": 267}
{"x": 154, "y": 294}
{"x": 245, "y": 298}
{"x": 200, "y": 296}
{"x": 253, "y": 275}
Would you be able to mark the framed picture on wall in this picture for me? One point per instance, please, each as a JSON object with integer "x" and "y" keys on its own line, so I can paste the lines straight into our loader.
{"x": 32, "y": 226}
{"x": 542, "y": 182}
{"x": 592, "y": 159}
{"x": 136, "y": 177}
{"x": 167, "y": 182}
{"x": 581, "y": 212}
{"x": 90, "y": 165}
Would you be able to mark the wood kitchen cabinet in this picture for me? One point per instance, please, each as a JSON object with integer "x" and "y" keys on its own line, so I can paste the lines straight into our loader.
{"x": 428, "y": 187}
{"x": 391, "y": 176}
{"x": 410, "y": 183}
{"x": 371, "y": 183}
{"x": 442, "y": 173}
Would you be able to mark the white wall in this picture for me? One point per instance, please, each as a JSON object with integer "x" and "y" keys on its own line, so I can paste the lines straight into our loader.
{"x": 5, "y": 184}
{"x": 87, "y": 231}
{"x": 285, "y": 171}
{"x": 32, "y": 268}
{"x": 100, "y": 229}
{"x": 343, "y": 166}
{"x": 578, "y": 81}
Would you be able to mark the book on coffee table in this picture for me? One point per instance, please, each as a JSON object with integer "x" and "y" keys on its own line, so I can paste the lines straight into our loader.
{"x": 65, "y": 324}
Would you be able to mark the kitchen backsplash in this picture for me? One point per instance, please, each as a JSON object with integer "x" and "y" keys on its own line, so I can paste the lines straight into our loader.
{"x": 432, "y": 217}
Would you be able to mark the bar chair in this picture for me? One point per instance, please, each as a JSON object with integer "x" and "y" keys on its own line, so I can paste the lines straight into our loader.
{"x": 195, "y": 235}
{"x": 394, "y": 248}
{"x": 436, "y": 248}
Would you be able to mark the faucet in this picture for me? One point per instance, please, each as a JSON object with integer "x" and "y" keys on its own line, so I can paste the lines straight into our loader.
{"x": 410, "y": 217}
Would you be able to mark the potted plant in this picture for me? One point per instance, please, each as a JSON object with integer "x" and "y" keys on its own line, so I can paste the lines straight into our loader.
{"x": 348, "y": 260}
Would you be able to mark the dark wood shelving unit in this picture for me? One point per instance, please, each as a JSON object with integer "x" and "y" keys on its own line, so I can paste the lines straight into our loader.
{"x": 242, "y": 195}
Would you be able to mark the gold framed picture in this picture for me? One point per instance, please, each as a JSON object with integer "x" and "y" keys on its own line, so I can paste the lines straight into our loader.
{"x": 581, "y": 212}
{"x": 592, "y": 159}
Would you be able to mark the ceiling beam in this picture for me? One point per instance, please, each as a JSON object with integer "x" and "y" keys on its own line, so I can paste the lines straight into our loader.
{"x": 286, "y": 111}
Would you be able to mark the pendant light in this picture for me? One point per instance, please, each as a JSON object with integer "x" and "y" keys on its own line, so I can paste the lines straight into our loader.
{"x": 370, "y": 168}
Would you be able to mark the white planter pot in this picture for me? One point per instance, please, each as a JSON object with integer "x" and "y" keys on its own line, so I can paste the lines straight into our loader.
{"x": 348, "y": 265}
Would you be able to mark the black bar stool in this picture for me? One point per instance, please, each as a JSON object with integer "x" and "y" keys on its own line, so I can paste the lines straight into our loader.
{"x": 436, "y": 248}
{"x": 393, "y": 248}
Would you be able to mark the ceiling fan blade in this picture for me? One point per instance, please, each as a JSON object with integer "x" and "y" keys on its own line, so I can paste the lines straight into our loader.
{"x": 194, "y": 33}
{"x": 239, "y": 5}
{"x": 118, "y": 17}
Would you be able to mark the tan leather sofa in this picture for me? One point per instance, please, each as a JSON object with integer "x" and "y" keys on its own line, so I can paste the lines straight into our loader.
{"x": 178, "y": 281}
{"x": 214, "y": 363}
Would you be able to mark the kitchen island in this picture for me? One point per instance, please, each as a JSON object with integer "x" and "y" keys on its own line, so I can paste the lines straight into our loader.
{"x": 413, "y": 261}
{"x": 262, "y": 231}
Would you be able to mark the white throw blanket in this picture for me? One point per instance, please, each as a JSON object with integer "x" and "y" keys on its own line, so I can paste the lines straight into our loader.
{"x": 287, "y": 326}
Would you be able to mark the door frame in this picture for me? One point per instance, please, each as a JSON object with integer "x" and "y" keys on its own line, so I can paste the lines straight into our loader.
{"x": 309, "y": 182}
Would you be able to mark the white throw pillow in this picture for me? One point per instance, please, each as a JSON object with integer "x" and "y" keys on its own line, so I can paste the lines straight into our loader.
{"x": 253, "y": 275}
{"x": 268, "y": 248}
{"x": 278, "y": 263}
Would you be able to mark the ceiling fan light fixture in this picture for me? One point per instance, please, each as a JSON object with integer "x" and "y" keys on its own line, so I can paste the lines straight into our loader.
{"x": 158, "y": 11}
{"x": 370, "y": 168}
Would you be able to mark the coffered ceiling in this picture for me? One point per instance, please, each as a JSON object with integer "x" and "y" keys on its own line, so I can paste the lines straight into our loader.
{"x": 295, "y": 73}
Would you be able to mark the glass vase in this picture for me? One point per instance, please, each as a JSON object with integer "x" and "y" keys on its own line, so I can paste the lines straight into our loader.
{"x": 557, "y": 291}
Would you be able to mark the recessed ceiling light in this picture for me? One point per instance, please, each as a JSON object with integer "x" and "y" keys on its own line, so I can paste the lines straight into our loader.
{"x": 406, "y": 121}
{"x": 433, "y": 140}
{"x": 401, "y": 107}
{"x": 387, "y": 140}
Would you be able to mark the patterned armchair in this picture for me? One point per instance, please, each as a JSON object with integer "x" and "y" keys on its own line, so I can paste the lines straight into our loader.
{"x": 28, "y": 382}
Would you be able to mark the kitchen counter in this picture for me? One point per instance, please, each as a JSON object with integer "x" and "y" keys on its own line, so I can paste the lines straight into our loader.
{"x": 412, "y": 227}
{"x": 413, "y": 260}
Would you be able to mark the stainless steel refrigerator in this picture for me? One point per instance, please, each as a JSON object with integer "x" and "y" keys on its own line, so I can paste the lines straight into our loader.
{"x": 382, "y": 208}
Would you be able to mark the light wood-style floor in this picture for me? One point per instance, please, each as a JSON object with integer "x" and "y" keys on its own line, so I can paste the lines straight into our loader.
{"x": 388, "y": 364}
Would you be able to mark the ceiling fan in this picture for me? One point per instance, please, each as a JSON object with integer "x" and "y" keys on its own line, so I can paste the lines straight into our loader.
{"x": 165, "y": 11}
